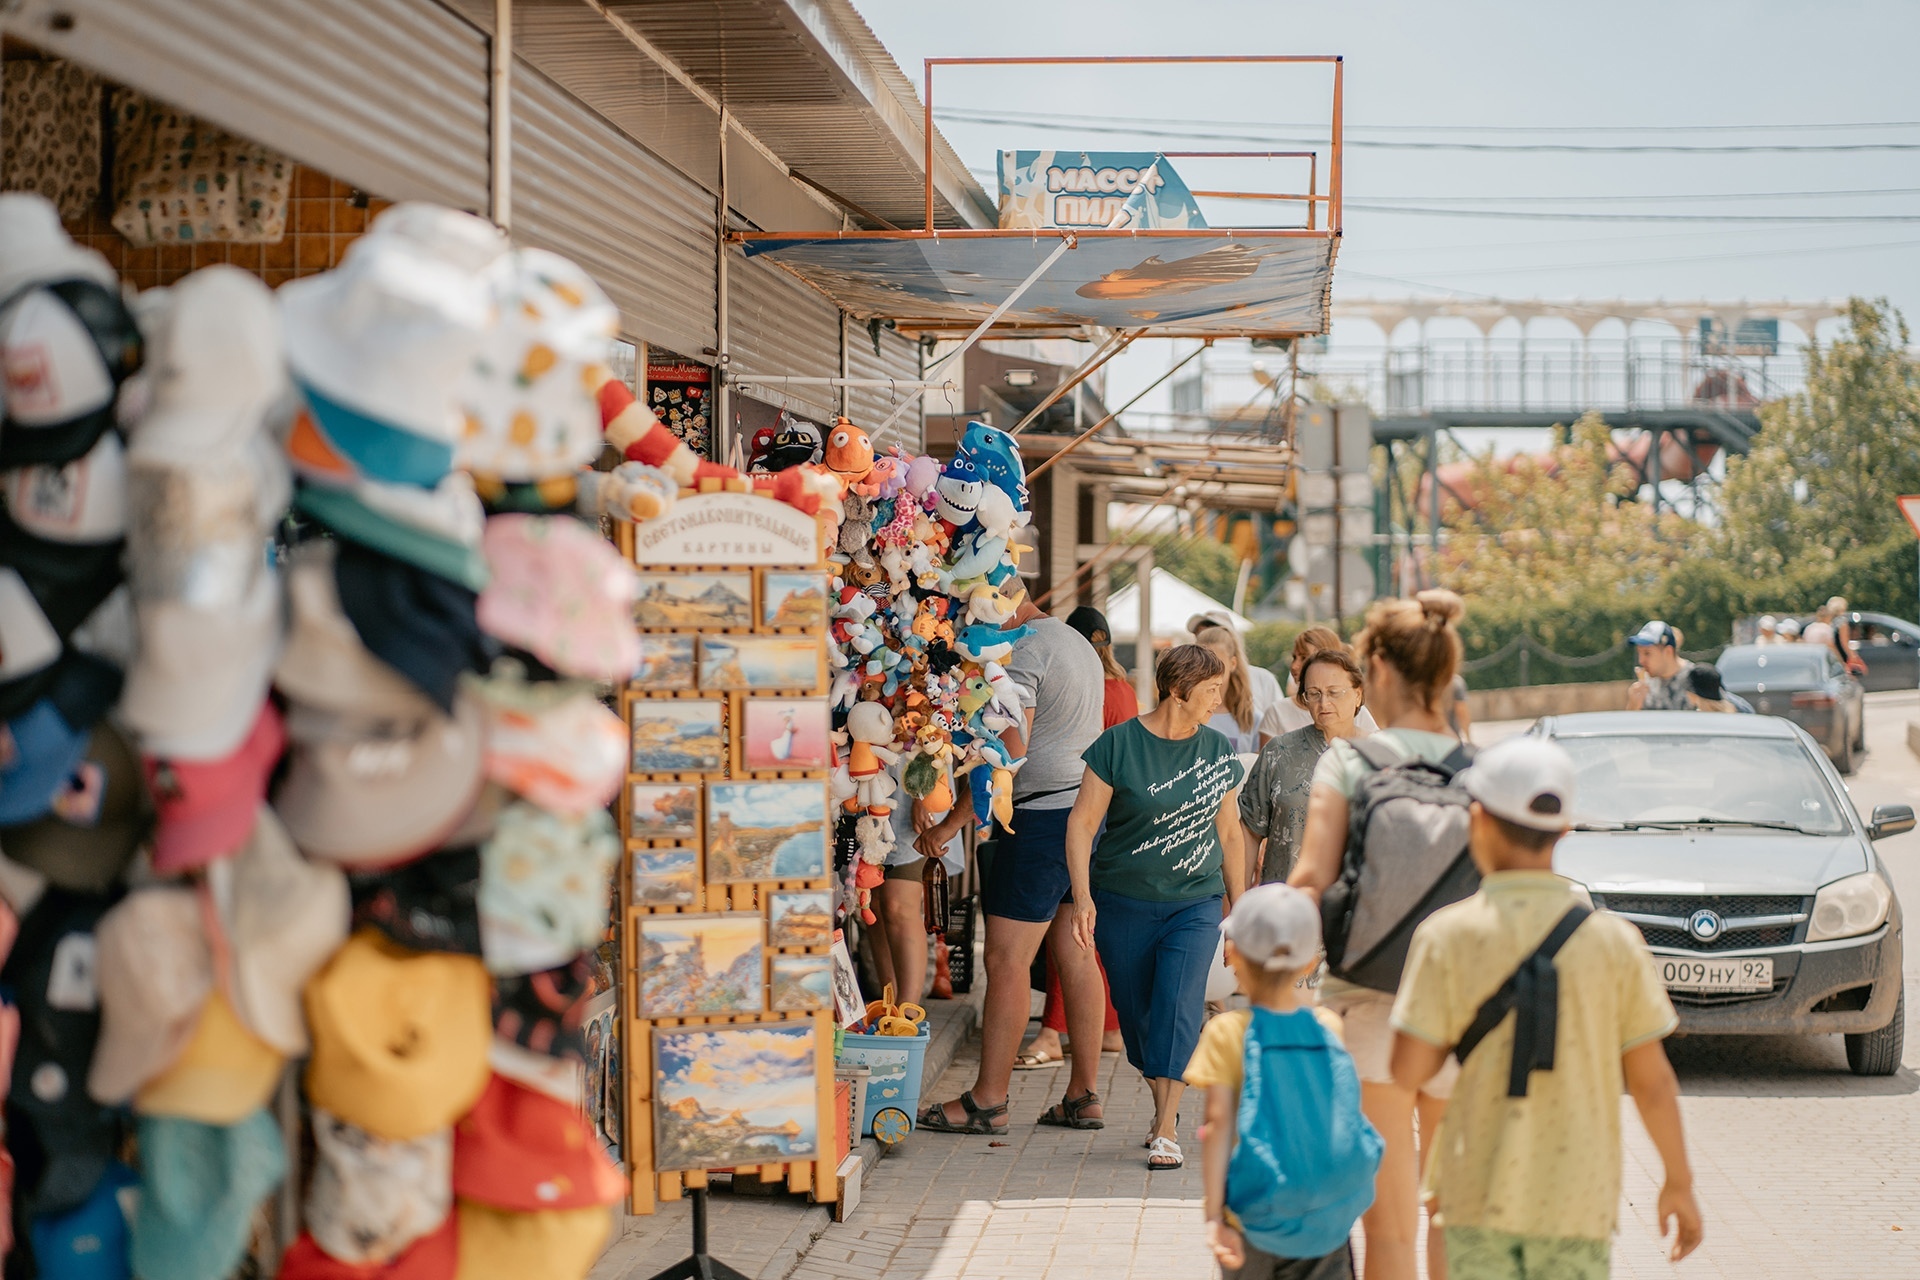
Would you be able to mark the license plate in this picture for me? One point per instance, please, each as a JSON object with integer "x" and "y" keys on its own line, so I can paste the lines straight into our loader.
{"x": 1716, "y": 975}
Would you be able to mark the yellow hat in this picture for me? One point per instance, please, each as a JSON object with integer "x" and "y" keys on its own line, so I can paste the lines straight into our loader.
{"x": 557, "y": 1244}
{"x": 400, "y": 1037}
{"x": 225, "y": 1074}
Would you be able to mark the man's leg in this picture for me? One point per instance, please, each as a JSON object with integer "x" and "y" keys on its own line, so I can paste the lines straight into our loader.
{"x": 1011, "y": 947}
{"x": 1085, "y": 996}
{"x": 905, "y": 926}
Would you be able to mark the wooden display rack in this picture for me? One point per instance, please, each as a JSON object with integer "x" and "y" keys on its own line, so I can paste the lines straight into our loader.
{"x": 816, "y": 1176}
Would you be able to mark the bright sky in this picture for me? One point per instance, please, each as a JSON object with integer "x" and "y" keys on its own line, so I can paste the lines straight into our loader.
{"x": 1507, "y": 72}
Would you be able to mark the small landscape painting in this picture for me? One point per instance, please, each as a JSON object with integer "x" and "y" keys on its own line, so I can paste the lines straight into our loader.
{"x": 664, "y": 811}
{"x": 766, "y": 831}
{"x": 666, "y": 877}
{"x": 784, "y": 733}
{"x": 793, "y": 598}
{"x": 678, "y": 735}
{"x": 696, "y": 965}
{"x": 801, "y": 984}
{"x": 761, "y": 664}
{"x": 734, "y": 1095}
{"x": 694, "y": 601}
{"x": 803, "y": 919}
{"x": 666, "y": 664}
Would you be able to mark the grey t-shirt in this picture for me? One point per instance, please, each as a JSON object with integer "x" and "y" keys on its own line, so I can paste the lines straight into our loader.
{"x": 1061, "y": 678}
{"x": 1669, "y": 693}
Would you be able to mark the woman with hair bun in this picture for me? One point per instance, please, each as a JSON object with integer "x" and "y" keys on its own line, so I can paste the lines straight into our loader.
{"x": 1411, "y": 651}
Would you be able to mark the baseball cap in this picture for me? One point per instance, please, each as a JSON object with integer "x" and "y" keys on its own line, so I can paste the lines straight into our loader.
{"x": 82, "y": 501}
{"x": 96, "y": 822}
{"x": 433, "y": 1257}
{"x": 1086, "y": 620}
{"x": 195, "y": 688}
{"x": 438, "y": 530}
{"x": 399, "y": 1037}
{"x": 68, "y": 580}
{"x": 499, "y": 1244}
{"x": 66, "y": 346}
{"x": 1527, "y": 781}
{"x": 519, "y": 1149}
{"x": 1275, "y": 926}
{"x": 206, "y": 808}
{"x": 371, "y": 1199}
{"x": 224, "y": 1072}
{"x": 542, "y": 1012}
{"x": 544, "y": 882}
{"x": 552, "y": 742}
{"x": 1655, "y": 633}
{"x": 217, "y": 371}
{"x": 370, "y": 793}
{"x": 1790, "y": 626}
{"x": 530, "y": 407}
{"x": 1768, "y": 622}
{"x": 29, "y": 645}
{"x": 417, "y": 622}
{"x": 35, "y": 248}
{"x": 394, "y": 328}
{"x": 429, "y": 904}
{"x": 326, "y": 665}
{"x": 155, "y": 972}
{"x": 41, "y": 747}
{"x": 89, "y": 1242}
{"x": 200, "y": 1184}
{"x": 563, "y": 593}
{"x": 284, "y": 918}
{"x": 1703, "y": 681}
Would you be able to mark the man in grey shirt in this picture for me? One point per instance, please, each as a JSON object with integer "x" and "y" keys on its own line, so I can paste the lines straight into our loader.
{"x": 1664, "y": 677}
{"x": 1027, "y": 896}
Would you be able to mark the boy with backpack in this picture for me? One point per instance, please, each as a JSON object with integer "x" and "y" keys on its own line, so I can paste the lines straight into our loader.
{"x": 1289, "y": 1160}
{"x": 1550, "y": 1009}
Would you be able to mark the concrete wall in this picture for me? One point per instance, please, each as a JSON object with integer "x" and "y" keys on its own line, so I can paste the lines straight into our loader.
{"x": 1534, "y": 701}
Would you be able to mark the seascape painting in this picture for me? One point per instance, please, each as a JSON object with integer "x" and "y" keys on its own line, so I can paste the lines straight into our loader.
{"x": 666, "y": 877}
{"x": 793, "y": 598}
{"x": 694, "y": 601}
{"x": 734, "y": 1095}
{"x": 802, "y": 919}
{"x": 666, "y": 664}
{"x": 701, "y": 965}
{"x": 676, "y": 735}
{"x": 761, "y": 664}
{"x": 801, "y": 984}
{"x": 785, "y": 733}
{"x": 766, "y": 831}
{"x": 664, "y": 811}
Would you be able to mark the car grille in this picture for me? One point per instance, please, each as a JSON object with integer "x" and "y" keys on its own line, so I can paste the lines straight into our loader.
{"x": 1703, "y": 999}
{"x": 1731, "y": 908}
{"x": 1733, "y": 939}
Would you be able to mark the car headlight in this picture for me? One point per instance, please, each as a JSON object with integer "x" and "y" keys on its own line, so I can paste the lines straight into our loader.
{"x": 1847, "y": 907}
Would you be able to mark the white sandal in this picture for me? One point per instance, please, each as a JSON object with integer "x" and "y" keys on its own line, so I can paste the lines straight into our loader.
{"x": 1164, "y": 1149}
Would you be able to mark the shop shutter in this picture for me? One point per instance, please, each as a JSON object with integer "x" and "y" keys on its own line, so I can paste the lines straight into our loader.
{"x": 899, "y": 358}
{"x": 775, "y": 325}
{"x": 640, "y": 227}
{"x": 389, "y": 95}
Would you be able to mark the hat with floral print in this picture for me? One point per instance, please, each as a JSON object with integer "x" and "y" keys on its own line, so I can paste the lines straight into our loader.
{"x": 562, "y": 593}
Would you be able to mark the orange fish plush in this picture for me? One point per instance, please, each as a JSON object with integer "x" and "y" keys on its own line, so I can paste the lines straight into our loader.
{"x": 849, "y": 453}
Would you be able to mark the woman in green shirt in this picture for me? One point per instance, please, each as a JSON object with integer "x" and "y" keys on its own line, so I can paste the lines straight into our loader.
{"x": 1147, "y": 886}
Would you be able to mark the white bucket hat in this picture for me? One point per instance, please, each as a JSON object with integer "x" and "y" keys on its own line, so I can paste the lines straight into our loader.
{"x": 371, "y": 1197}
{"x": 218, "y": 369}
{"x": 35, "y": 248}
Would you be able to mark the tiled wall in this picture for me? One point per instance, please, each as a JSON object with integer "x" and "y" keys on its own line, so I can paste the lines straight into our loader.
{"x": 321, "y": 221}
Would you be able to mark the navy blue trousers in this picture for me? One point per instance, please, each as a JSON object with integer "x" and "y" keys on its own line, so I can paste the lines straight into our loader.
{"x": 1157, "y": 955}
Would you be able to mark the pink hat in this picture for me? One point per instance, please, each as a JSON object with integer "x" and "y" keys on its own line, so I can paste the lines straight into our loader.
{"x": 561, "y": 592}
{"x": 206, "y": 808}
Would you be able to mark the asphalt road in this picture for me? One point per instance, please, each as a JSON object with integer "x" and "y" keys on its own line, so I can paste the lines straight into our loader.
{"x": 1803, "y": 1170}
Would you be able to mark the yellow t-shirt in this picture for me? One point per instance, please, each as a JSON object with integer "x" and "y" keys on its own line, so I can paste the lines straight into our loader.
{"x": 1547, "y": 1164}
{"x": 1220, "y": 1057}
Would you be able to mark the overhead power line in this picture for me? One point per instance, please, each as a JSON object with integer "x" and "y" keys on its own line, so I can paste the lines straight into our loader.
{"x": 1664, "y": 197}
{"x": 1747, "y": 255}
{"x": 1561, "y": 215}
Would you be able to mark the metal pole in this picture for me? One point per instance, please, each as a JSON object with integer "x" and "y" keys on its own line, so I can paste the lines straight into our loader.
{"x": 1113, "y": 347}
{"x": 722, "y": 430}
{"x": 1433, "y": 496}
{"x": 1088, "y": 434}
{"x": 500, "y": 121}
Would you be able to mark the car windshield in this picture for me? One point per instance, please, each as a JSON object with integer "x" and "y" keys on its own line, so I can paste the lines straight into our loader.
{"x": 1685, "y": 779}
{"x": 1774, "y": 663}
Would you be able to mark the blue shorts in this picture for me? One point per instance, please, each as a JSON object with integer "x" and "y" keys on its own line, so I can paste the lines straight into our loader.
{"x": 1028, "y": 878}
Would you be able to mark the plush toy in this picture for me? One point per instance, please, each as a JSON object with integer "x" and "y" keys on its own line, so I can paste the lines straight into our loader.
{"x": 869, "y": 734}
{"x": 893, "y": 561}
{"x": 868, "y": 873}
{"x": 996, "y": 460}
{"x": 987, "y": 603}
{"x": 849, "y": 453}
{"x": 921, "y": 475}
{"x": 979, "y": 643}
{"x": 856, "y": 530}
{"x": 956, "y": 495}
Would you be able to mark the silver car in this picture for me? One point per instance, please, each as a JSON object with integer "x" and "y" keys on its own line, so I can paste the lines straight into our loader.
{"x": 1731, "y": 842}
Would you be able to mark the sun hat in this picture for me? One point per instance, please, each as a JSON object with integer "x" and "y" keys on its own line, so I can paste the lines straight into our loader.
{"x": 83, "y": 501}
{"x": 529, "y": 398}
{"x": 28, "y": 643}
{"x": 432, "y": 1257}
{"x": 91, "y": 1241}
{"x": 155, "y": 972}
{"x": 438, "y": 529}
{"x": 1656, "y": 634}
{"x": 371, "y": 793}
{"x": 325, "y": 664}
{"x": 391, "y": 331}
{"x": 68, "y": 580}
{"x": 542, "y": 1012}
{"x": 67, "y": 1139}
{"x": 218, "y": 369}
{"x": 224, "y": 1072}
{"x": 284, "y": 917}
{"x": 519, "y": 1149}
{"x": 430, "y": 904}
{"x": 399, "y": 1037}
{"x": 563, "y": 1079}
{"x": 205, "y": 809}
{"x": 563, "y": 593}
{"x": 195, "y": 688}
{"x": 66, "y": 346}
{"x": 41, "y": 747}
{"x": 1790, "y": 626}
{"x": 552, "y": 742}
{"x": 544, "y": 883}
{"x": 200, "y": 1184}
{"x": 35, "y": 248}
{"x": 558, "y": 1244}
{"x": 371, "y": 1199}
{"x": 418, "y": 623}
{"x": 1275, "y": 926}
{"x": 351, "y": 447}
{"x": 1527, "y": 781}
{"x": 96, "y": 823}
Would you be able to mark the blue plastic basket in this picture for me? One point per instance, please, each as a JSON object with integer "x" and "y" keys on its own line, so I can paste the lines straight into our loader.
{"x": 894, "y": 1064}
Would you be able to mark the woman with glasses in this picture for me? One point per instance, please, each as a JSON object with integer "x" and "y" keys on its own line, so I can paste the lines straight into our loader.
{"x": 1273, "y": 804}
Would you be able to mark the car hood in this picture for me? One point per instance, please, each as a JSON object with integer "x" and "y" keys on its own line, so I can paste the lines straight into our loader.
{"x": 1708, "y": 861}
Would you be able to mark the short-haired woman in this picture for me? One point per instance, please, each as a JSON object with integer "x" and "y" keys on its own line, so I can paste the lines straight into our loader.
{"x": 1273, "y": 804}
{"x": 1147, "y": 887}
{"x": 1291, "y": 713}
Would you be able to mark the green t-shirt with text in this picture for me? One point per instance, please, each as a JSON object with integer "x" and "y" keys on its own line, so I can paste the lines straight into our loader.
{"x": 1160, "y": 844}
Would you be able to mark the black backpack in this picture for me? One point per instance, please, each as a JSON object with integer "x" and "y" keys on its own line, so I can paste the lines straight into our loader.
{"x": 1406, "y": 858}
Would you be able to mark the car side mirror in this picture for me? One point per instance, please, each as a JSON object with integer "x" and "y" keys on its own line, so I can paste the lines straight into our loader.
{"x": 1890, "y": 820}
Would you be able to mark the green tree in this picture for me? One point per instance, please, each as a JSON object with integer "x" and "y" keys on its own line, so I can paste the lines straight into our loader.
{"x": 1828, "y": 463}
{"x": 1199, "y": 562}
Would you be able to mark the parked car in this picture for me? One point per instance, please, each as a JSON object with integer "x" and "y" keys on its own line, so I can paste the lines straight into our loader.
{"x": 1806, "y": 684}
{"x": 1731, "y": 842}
{"x": 1890, "y": 647}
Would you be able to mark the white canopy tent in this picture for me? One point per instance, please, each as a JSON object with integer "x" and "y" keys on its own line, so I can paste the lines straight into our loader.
{"x": 1170, "y": 602}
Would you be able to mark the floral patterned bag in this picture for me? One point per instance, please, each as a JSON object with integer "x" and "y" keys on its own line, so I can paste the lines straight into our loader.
{"x": 52, "y": 110}
{"x": 179, "y": 180}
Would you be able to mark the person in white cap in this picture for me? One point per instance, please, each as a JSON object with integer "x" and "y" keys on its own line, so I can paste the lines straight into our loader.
{"x": 1660, "y": 683}
{"x": 1525, "y": 1175}
{"x": 1769, "y": 630}
{"x": 1311, "y": 1092}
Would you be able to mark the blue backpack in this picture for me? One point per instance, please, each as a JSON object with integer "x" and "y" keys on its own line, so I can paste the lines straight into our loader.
{"x": 1302, "y": 1171}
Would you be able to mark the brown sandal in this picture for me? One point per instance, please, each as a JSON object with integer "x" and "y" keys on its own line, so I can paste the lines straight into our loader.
{"x": 1067, "y": 1113}
{"x": 979, "y": 1119}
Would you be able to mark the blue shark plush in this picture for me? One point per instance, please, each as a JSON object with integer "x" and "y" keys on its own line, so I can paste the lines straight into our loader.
{"x": 996, "y": 460}
{"x": 981, "y": 643}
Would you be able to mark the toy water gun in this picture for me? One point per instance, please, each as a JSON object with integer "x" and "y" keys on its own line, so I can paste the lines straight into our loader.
{"x": 885, "y": 1018}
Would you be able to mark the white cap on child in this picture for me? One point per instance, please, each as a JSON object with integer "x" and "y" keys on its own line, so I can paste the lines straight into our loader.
{"x": 1526, "y": 780}
{"x": 1275, "y": 926}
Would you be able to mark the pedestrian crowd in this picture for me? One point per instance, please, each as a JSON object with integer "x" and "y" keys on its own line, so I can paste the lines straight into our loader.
{"x": 1385, "y": 1052}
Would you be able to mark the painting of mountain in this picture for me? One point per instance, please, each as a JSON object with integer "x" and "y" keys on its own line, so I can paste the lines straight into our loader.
{"x": 803, "y": 919}
{"x": 666, "y": 877}
{"x": 766, "y": 831}
{"x": 689, "y": 601}
{"x": 801, "y": 984}
{"x": 790, "y": 598}
{"x": 734, "y": 1095}
{"x": 678, "y": 735}
{"x": 692, "y": 965}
